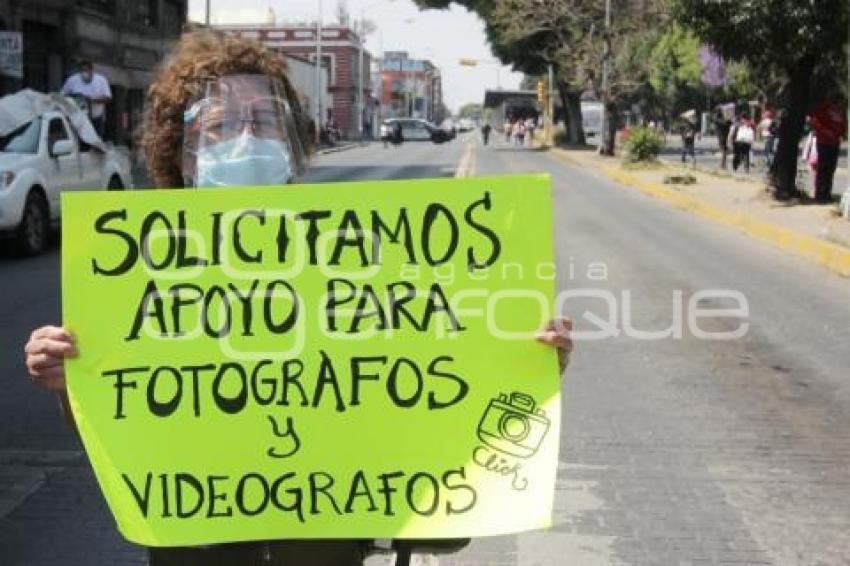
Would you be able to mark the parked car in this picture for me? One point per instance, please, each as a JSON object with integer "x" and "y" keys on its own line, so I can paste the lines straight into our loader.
{"x": 415, "y": 129}
{"x": 465, "y": 125}
{"x": 45, "y": 155}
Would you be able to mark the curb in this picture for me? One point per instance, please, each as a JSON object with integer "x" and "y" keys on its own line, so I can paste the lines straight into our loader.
{"x": 344, "y": 147}
{"x": 832, "y": 256}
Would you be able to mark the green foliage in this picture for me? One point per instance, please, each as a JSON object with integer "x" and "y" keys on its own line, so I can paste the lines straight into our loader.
{"x": 675, "y": 65}
{"x": 643, "y": 144}
{"x": 471, "y": 110}
{"x": 768, "y": 33}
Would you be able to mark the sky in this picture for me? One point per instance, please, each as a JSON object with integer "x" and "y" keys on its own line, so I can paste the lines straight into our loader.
{"x": 443, "y": 36}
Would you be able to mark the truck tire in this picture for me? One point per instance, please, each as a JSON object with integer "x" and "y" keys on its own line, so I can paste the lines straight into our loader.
{"x": 115, "y": 184}
{"x": 32, "y": 234}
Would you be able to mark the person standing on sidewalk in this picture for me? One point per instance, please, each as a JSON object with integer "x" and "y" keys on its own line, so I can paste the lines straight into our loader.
{"x": 767, "y": 132}
{"x": 722, "y": 125}
{"x": 530, "y": 125}
{"x": 741, "y": 137}
{"x": 519, "y": 132}
{"x": 688, "y": 130}
{"x": 830, "y": 126}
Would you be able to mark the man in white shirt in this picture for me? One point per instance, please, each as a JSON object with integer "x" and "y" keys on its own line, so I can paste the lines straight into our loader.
{"x": 94, "y": 88}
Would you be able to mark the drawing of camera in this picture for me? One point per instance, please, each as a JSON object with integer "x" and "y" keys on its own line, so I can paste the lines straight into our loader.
{"x": 513, "y": 426}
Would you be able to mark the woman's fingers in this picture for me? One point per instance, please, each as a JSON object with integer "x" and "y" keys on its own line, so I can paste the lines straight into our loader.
{"x": 45, "y": 352}
{"x": 561, "y": 325}
{"x": 557, "y": 335}
{"x": 51, "y": 347}
{"x": 52, "y": 333}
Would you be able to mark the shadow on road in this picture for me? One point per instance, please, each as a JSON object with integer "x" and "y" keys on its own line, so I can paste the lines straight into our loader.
{"x": 8, "y": 253}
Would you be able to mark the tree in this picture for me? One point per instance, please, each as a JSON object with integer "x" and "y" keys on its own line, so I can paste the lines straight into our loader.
{"x": 527, "y": 34}
{"x": 675, "y": 69}
{"x": 571, "y": 35}
{"x": 470, "y": 110}
{"x": 798, "y": 40}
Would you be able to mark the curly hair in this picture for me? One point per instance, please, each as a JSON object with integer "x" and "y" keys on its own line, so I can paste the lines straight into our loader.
{"x": 197, "y": 57}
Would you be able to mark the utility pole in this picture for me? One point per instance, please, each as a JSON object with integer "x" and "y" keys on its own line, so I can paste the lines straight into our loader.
{"x": 207, "y": 16}
{"x": 360, "y": 106}
{"x": 550, "y": 123}
{"x": 319, "y": 120}
{"x": 603, "y": 137}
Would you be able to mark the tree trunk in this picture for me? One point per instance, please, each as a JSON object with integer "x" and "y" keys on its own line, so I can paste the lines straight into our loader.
{"x": 612, "y": 119}
{"x": 783, "y": 173}
{"x": 571, "y": 101}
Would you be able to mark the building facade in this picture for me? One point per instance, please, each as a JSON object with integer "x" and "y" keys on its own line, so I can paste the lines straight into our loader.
{"x": 410, "y": 88}
{"x": 340, "y": 57}
{"x": 302, "y": 73}
{"x": 124, "y": 39}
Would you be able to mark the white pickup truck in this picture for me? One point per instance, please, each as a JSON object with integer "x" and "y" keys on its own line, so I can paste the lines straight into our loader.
{"x": 42, "y": 153}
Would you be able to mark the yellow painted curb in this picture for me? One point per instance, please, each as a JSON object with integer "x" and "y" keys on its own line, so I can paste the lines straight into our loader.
{"x": 832, "y": 256}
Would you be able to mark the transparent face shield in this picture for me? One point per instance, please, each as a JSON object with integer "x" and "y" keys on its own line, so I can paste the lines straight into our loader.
{"x": 241, "y": 132}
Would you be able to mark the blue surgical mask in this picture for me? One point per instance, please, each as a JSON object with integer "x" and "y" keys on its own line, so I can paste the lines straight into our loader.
{"x": 244, "y": 161}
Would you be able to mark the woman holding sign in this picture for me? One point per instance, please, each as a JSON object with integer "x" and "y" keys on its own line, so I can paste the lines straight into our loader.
{"x": 222, "y": 112}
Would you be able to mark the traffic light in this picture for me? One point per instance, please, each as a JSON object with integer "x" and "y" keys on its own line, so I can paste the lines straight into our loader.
{"x": 541, "y": 91}
{"x": 467, "y": 62}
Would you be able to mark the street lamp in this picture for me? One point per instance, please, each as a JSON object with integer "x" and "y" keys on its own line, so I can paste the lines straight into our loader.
{"x": 360, "y": 41}
{"x": 319, "y": 120}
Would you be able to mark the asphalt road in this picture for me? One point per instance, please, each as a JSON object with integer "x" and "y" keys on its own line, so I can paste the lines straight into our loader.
{"x": 676, "y": 450}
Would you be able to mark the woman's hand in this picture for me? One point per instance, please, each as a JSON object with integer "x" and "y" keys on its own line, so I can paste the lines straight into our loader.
{"x": 557, "y": 334}
{"x": 46, "y": 351}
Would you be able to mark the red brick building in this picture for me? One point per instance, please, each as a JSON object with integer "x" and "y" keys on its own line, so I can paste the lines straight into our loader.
{"x": 340, "y": 50}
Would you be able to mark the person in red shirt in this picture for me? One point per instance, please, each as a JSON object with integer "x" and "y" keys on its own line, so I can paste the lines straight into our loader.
{"x": 830, "y": 126}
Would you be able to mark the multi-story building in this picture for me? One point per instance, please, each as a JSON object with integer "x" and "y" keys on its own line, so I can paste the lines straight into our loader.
{"x": 124, "y": 39}
{"x": 410, "y": 87}
{"x": 340, "y": 56}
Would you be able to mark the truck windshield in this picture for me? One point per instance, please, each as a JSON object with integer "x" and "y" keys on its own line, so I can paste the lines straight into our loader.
{"x": 23, "y": 140}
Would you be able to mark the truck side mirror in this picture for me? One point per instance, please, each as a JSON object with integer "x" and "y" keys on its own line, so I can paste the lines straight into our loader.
{"x": 62, "y": 147}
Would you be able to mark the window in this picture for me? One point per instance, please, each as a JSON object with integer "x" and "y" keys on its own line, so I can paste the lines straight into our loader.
{"x": 142, "y": 12}
{"x": 56, "y": 131}
{"x": 23, "y": 140}
{"x": 172, "y": 17}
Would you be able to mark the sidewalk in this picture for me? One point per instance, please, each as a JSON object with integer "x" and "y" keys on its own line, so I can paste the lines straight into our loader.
{"x": 709, "y": 157}
{"x": 812, "y": 231}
